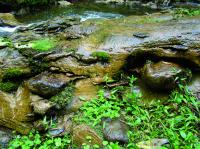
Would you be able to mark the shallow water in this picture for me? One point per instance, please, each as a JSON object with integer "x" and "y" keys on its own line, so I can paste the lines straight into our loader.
{"x": 86, "y": 10}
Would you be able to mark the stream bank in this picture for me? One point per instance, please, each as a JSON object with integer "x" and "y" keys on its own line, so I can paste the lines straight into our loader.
{"x": 51, "y": 68}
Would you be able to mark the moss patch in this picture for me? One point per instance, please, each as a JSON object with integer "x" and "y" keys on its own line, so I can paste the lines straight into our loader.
{"x": 43, "y": 45}
{"x": 8, "y": 86}
{"x": 13, "y": 73}
{"x": 63, "y": 98}
{"x": 101, "y": 55}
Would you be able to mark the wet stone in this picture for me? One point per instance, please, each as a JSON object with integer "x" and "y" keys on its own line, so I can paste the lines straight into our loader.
{"x": 141, "y": 35}
{"x": 115, "y": 130}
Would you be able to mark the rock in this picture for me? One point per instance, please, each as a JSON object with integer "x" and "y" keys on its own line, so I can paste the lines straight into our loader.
{"x": 48, "y": 84}
{"x": 5, "y": 137}
{"x": 163, "y": 75}
{"x": 85, "y": 90}
{"x": 140, "y": 35}
{"x": 64, "y": 126}
{"x": 42, "y": 106}
{"x": 78, "y": 31}
{"x": 154, "y": 143}
{"x": 194, "y": 86}
{"x": 56, "y": 25}
{"x": 15, "y": 110}
{"x": 115, "y": 130}
{"x": 84, "y": 134}
{"x": 13, "y": 64}
{"x": 64, "y": 3}
{"x": 8, "y": 19}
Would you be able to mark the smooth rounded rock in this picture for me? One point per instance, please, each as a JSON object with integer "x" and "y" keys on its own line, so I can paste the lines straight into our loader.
{"x": 115, "y": 130}
{"x": 82, "y": 133}
{"x": 163, "y": 75}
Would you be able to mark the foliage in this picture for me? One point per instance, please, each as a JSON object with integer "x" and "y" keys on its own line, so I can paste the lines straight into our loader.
{"x": 5, "y": 42}
{"x": 35, "y": 140}
{"x": 43, "y": 45}
{"x": 8, "y": 86}
{"x": 181, "y": 12}
{"x": 63, "y": 98}
{"x": 176, "y": 119}
{"x": 30, "y": 2}
{"x": 101, "y": 55}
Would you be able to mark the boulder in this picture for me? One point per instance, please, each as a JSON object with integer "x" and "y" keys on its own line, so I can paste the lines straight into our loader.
{"x": 8, "y": 19}
{"x": 163, "y": 75}
{"x": 48, "y": 84}
{"x": 13, "y": 64}
{"x": 16, "y": 111}
{"x": 115, "y": 130}
{"x": 84, "y": 134}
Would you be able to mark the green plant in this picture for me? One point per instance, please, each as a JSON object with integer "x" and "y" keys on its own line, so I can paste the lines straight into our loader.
{"x": 101, "y": 55}
{"x": 63, "y": 98}
{"x": 35, "y": 140}
{"x": 181, "y": 12}
{"x": 43, "y": 44}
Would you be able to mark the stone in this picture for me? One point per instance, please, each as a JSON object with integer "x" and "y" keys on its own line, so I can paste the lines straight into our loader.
{"x": 13, "y": 64}
{"x": 16, "y": 111}
{"x": 5, "y": 137}
{"x": 194, "y": 86}
{"x": 42, "y": 106}
{"x": 84, "y": 134}
{"x": 8, "y": 19}
{"x": 115, "y": 130}
{"x": 48, "y": 84}
{"x": 163, "y": 75}
{"x": 64, "y": 126}
{"x": 154, "y": 143}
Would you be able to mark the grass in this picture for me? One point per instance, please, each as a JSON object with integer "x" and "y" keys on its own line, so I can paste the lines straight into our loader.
{"x": 43, "y": 45}
{"x": 176, "y": 119}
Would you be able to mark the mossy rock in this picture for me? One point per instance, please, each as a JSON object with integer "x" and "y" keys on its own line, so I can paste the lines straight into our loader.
{"x": 43, "y": 45}
{"x": 101, "y": 55}
{"x": 8, "y": 86}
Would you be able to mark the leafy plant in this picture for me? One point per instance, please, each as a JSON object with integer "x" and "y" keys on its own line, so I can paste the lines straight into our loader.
{"x": 181, "y": 12}
{"x": 35, "y": 140}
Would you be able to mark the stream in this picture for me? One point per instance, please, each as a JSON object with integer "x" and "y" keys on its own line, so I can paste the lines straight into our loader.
{"x": 53, "y": 61}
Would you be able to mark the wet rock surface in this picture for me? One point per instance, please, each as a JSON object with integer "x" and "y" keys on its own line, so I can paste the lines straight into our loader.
{"x": 163, "y": 75}
{"x": 16, "y": 112}
{"x": 49, "y": 84}
{"x": 56, "y": 25}
{"x": 84, "y": 134}
{"x": 5, "y": 136}
{"x": 115, "y": 130}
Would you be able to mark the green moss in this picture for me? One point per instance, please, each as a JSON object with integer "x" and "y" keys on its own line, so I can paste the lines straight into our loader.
{"x": 13, "y": 73}
{"x": 43, "y": 45}
{"x": 101, "y": 55}
{"x": 8, "y": 86}
{"x": 63, "y": 98}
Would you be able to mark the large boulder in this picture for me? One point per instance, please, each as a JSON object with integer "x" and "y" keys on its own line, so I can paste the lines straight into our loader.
{"x": 163, "y": 75}
{"x": 48, "y": 84}
{"x": 16, "y": 111}
{"x": 8, "y": 19}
